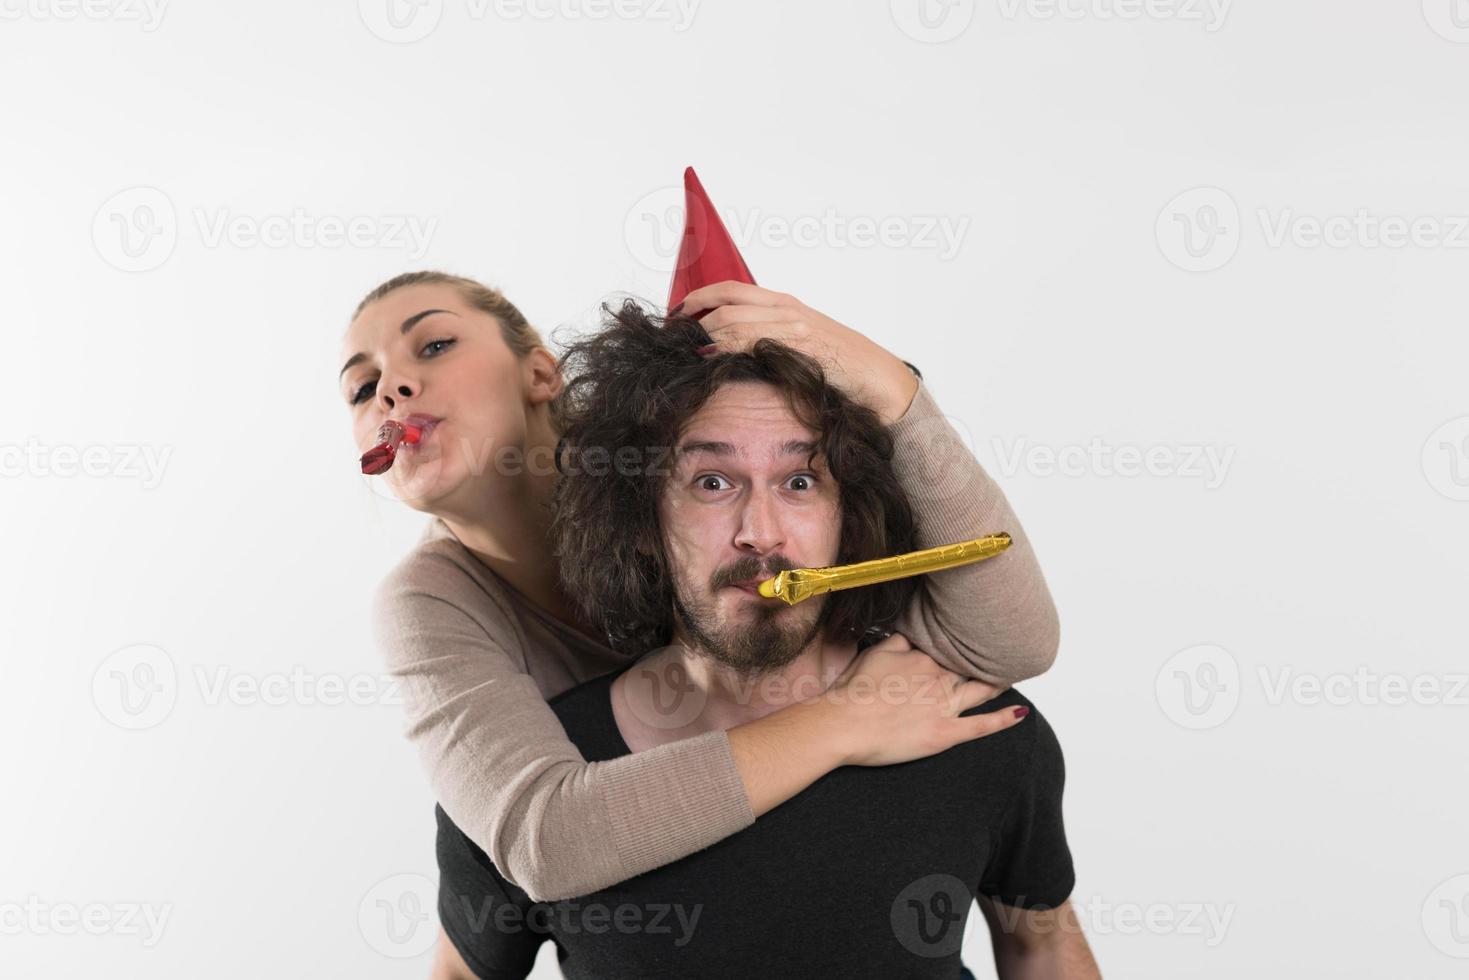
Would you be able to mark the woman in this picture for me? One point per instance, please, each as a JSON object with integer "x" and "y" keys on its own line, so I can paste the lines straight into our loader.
{"x": 474, "y": 623}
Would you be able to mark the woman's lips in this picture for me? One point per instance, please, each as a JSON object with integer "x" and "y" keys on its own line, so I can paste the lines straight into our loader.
{"x": 417, "y": 429}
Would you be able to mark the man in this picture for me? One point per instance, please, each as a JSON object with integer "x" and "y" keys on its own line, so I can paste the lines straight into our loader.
{"x": 870, "y": 872}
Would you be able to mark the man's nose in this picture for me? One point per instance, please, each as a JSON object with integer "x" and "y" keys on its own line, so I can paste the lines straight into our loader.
{"x": 760, "y": 529}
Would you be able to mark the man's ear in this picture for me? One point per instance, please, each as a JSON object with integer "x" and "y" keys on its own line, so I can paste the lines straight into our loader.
{"x": 543, "y": 375}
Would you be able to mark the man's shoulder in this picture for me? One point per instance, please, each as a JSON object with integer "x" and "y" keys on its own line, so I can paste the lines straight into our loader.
{"x": 1029, "y": 744}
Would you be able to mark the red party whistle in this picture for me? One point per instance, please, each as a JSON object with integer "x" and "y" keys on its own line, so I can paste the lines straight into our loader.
{"x": 379, "y": 459}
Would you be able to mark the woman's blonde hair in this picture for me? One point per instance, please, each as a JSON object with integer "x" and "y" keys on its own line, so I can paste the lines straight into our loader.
{"x": 520, "y": 336}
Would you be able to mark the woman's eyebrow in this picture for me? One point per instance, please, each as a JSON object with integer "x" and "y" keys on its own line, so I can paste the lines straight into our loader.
{"x": 407, "y": 325}
{"x": 412, "y": 321}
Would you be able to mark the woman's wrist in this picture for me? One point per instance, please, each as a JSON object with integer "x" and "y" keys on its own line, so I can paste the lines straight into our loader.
{"x": 894, "y": 389}
{"x": 781, "y": 754}
{"x": 824, "y": 726}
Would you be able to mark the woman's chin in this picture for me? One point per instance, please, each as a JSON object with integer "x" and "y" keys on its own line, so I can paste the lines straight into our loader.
{"x": 425, "y": 488}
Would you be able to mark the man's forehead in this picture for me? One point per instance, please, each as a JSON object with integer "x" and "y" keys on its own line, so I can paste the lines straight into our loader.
{"x": 747, "y": 420}
{"x": 762, "y": 449}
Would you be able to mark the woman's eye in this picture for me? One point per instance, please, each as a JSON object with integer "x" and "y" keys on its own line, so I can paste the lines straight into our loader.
{"x": 436, "y": 347}
{"x": 364, "y": 392}
{"x": 703, "y": 482}
{"x": 805, "y": 478}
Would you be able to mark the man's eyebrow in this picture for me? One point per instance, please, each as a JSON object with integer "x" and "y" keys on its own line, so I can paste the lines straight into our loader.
{"x": 790, "y": 447}
{"x": 713, "y": 448}
{"x": 407, "y": 325}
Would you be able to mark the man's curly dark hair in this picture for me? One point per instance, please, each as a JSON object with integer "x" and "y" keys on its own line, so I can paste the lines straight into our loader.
{"x": 630, "y": 390}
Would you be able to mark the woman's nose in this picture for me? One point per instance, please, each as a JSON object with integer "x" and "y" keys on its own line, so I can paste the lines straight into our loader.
{"x": 391, "y": 394}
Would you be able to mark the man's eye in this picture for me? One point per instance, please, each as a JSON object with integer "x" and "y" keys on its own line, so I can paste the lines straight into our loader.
{"x": 809, "y": 480}
{"x": 364, "y": 392}
{"x": 435, "y": 347}
{"x": 703, "y": 481}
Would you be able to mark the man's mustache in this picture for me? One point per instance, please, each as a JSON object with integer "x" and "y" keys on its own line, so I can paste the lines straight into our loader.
{"x": 748, "y": 568}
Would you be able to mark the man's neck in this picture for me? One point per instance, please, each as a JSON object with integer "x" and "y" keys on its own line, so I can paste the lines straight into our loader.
{"x": 678, "y": 691}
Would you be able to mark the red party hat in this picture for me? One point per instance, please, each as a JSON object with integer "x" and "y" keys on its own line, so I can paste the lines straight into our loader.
{"x": 706, "y": 254}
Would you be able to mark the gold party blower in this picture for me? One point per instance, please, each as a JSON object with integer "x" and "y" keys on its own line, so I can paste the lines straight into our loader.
{"x": 797, "y": 584}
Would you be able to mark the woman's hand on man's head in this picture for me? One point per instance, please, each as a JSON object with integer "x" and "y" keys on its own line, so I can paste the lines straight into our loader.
{"x": 742, "y": 314}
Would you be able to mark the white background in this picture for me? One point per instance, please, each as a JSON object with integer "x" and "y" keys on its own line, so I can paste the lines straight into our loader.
{"x": 1136, "y": 187}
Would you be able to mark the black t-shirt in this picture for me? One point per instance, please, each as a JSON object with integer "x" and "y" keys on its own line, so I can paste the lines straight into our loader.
{"x": 871, "y": 872}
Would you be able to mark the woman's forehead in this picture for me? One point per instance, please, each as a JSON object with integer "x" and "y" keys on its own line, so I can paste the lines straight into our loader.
{"x": 384, "y": 319}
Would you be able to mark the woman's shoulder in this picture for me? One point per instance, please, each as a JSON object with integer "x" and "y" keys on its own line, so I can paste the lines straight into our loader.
{"x": 439, "y": 572}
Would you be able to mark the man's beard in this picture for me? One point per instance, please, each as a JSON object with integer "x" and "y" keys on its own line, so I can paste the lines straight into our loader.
{"x": 763, "y": 643}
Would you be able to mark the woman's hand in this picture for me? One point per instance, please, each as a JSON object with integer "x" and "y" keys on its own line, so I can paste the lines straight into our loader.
{"x": 852, "y": 362}
{"x": 901, "y": 705}
{"x": 892, "y": 704}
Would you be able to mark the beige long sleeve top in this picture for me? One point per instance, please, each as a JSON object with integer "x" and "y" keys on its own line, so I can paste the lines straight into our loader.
{"x": 476, "y": 662}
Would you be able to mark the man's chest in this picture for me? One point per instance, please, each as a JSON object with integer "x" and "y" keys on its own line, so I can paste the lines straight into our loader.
{"x": 835, "y": 864}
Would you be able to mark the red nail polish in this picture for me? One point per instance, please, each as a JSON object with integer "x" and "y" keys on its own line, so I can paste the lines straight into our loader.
{"x": 674, "y": 311}
{"x": 1021, "y": 712}
{"x": 707, "y": 350}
